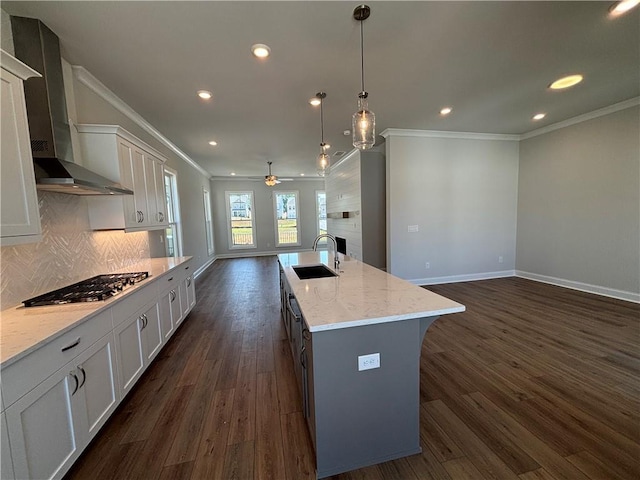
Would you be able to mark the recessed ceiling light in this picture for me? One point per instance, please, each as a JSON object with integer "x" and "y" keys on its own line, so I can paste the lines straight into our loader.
{"x": 204, "y": 94}
{"x": 233, "y": 174}
{"x": 446, "y": 111}
{"x": 260, "y": 50}
{"x": 566, "y": 82}
{"x": 315, "y": 101}
{"x": 213, "y": 143}
{"x": 302, "y": 174}
{"x": 623, "y": 6}
{"x": 539, "y": 116}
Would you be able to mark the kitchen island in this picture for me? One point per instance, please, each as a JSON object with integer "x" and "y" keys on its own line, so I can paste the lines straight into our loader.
{"x": 356, "y": 340}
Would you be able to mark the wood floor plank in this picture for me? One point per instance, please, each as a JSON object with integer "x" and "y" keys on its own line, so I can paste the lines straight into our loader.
{"x": 243, "y": 418}
{"x": 238, "y": 462}
{"x": 269, "y": 457}
{"x": 532, "y": 381}
{"x": 480, "y": 454}
{"x": 209, "y": 462}
{"x": 298, "y": 453}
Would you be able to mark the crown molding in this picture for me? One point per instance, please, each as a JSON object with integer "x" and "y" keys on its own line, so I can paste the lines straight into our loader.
{"x": 616, "y": 107}
{"x": 87, "y": 79}
{"x": 403, "y": 132}
{"x": 15, "y": 66}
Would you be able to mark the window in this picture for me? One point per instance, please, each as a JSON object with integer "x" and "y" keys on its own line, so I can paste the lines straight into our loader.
{"x": 241, "y": 221}
{"x": 321, "y": 214}
{"x": 208, "y": 227}
{"x": 287, "y": 218}
{"x": 173, "y": 231}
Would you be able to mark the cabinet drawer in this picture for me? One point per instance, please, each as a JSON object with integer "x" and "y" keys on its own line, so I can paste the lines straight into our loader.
{"x": 25, "y": 374}
{"x": 170, "y": 281}
{"x": 131, "y": 304}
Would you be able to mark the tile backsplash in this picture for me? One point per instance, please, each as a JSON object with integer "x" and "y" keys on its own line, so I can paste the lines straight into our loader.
{"x": 68, "y": 253}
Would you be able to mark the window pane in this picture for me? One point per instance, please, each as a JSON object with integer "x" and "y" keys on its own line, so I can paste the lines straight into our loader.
{"x": 242, "y": 226}
{"x": 172, "y": 232}
{"x": 207, "y": 221}
{"x": 287, "y": 218}
{"x": 321, "y": 210}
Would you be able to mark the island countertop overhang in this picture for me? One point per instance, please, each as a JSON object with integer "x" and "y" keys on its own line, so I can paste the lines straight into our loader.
{"x": 360, "y": 295}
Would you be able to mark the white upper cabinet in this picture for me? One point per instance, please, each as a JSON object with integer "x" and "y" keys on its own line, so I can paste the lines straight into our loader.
{"x": 19, "y": 215}
{"x": 114, "y": 153}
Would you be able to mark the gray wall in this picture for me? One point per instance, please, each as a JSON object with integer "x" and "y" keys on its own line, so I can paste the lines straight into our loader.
{"x": 264, "y": 214}
{"x": 579, "y": 203}
{"x": 462, "y": 194}
{"x": 91, "y": 108}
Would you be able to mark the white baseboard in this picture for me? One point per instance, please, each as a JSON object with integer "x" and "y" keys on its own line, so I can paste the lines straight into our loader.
{"x": 583, "y": 287}
{"x": 470, "y": 277}
{"x": 199, "y": 271}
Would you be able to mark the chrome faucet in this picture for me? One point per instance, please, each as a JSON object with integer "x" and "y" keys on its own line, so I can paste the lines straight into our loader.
{"x": 336, "y": 261}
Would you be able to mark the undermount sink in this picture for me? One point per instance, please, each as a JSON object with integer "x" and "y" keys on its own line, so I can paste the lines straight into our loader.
{"x": 314, "y": 271}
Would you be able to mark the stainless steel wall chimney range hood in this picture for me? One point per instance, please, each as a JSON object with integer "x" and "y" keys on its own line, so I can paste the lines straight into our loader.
{"x": 38, "y": 47}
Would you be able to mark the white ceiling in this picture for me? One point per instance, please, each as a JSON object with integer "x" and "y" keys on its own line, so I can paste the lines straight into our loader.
{"x": 491, "y": 61}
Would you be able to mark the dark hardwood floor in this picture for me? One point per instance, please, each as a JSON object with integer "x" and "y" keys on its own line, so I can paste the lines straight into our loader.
{"x": 532, "y": 382}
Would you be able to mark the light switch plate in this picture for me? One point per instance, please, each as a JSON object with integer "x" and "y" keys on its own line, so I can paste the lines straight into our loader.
{"x": 413, "y": 228}
{"x": 367, "y": 362}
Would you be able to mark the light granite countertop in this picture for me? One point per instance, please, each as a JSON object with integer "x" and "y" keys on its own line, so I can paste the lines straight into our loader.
{"x": 360, "y": 295}
{"x": 23, "y": 330}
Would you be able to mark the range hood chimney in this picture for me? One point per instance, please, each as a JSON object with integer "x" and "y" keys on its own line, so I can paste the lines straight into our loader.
{"x": 37, "y": 46}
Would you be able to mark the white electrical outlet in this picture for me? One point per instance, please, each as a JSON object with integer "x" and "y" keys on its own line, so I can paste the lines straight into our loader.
{"x": 367, "y": 362}
{"x": 413, "y": 228}
{"x": 500, "y": 259}
{"x": 427, "y": 265}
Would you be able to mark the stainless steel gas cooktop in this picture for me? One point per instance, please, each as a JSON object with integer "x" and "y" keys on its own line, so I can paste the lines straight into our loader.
{"x": 94, "y": 289}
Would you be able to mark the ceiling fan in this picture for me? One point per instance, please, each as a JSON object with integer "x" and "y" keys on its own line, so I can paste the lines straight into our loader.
{"x": 271, "y": 180}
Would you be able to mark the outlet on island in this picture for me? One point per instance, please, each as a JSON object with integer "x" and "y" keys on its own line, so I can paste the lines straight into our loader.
{"x": 367, "y": 362}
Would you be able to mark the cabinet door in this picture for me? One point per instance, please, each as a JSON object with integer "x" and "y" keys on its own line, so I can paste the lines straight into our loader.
{"x": 129, "y": 353}
{"x": 125, "y": 157}
{"x": 42, "y": 426}
{"x": 151, "y": 334}
{"x": 140, "y": 188}
{"x": 97, "y": 373}
{"x": 166, "y": 318}
{"x": 161, "y": 199}
{"x": 6, "y": 465}
{"x": 19, "y": 201}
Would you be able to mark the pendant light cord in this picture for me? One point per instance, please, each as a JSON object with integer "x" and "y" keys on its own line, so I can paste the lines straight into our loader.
{"x": 362, "y": 53}
{"x": 322, "y": 123}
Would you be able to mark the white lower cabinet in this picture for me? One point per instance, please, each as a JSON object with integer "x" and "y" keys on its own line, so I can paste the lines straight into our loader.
{"x": 59, "y": 396}
{"x": 6, "y": 464}
{"x": 170, "y": 312}
{"x": 151, "y": 333}
{"x": 138, "y": 341}
{"x": 49, "y": 426}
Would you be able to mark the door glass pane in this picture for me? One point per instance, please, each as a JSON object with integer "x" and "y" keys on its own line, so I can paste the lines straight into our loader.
{"x": 287, "y": 218}
{"x": 321, "y": 210}
{"x": 241, "y": 220}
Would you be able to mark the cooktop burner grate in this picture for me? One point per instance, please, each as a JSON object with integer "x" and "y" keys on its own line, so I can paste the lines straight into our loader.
{"x": 94, "y": 289}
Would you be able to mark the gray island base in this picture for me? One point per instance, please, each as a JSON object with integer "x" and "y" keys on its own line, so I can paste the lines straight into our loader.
{"x": 371, "y": 416}
{"x": 356, "y": 340}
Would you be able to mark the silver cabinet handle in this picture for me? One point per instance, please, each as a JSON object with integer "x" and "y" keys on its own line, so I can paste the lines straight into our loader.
{"x": 168, "y": 280}
{"x": 188, "y": 281}
{"x": 306, "y": 334}
{"x": 84, "y": 375}
{"x": 141, "y": 322}
{"x": 138, "y": 215}
{"x": 145, "y": 320}
{"x": 75, "y": 377}
{"x": 161, "y": 216}
{"x": 173, "y": 295}
{"x": 71, "y": 345}
{"x": 142, "y": 213}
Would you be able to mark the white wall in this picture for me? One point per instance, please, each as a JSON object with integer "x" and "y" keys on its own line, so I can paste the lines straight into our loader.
{"x": 264, "y": 214}
{"x": 579, "y": 205}
{"x": 462, "y": 194}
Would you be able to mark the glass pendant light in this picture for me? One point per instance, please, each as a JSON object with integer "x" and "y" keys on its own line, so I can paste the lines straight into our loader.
{"x": 363, "y": 124}
{"x": 324, "y": 161}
